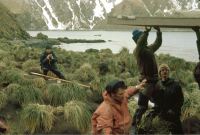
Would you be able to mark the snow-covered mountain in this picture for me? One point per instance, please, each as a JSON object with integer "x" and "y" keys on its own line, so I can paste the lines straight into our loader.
{"x": 90, "y": 14}
{"x": 61, "y": 14}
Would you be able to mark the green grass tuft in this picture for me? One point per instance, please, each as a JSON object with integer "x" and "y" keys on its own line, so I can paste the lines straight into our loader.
{"x": 37, "y": 118}
{"x": 3, "y": 99}
{"x": 85, "y": 73}
{"x": 78, "y": 116}
{"x": 25, "y": 95}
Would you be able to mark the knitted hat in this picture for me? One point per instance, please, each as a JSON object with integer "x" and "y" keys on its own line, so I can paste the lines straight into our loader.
{"x": 165, "y": 66}
{"x": 114, "y": 85}
{"x": 136, "y": 34}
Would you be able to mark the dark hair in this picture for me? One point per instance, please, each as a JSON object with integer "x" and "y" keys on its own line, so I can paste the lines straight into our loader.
{"x": 114, "y": 86}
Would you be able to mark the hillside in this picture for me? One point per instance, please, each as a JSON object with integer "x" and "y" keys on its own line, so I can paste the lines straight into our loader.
{"x": 9, "y": 27}
{"x": 92, "y": 14}
{"x": 33, "y": 105}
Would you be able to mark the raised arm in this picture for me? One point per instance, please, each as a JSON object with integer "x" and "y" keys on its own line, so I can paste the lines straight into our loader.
{"x": 54, "y": 58}
{"x": 157, "y": 43}
{"x": 197, "y": 31}
{"x": 132, "y": 90}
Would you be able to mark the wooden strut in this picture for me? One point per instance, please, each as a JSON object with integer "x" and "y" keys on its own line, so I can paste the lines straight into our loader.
{"x": 37, "y": 74}
{"x": 168, "y": 22}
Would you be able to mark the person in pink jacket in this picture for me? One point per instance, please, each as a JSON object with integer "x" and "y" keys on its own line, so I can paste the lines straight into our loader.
{"x": 112, "y": 116}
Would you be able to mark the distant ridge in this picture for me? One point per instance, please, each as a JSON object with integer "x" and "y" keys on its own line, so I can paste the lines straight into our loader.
{"x": 9, "y": 27}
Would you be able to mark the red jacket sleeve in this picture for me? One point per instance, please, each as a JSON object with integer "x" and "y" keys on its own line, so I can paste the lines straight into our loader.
{"x": 131, "y": 91}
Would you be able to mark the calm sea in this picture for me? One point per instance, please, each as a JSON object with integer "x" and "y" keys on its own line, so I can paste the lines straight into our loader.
{"x": 179, "y": 44}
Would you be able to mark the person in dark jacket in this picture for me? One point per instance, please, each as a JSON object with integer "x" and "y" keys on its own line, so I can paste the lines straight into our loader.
{"x": 48, "y": 62}
{"x": 172, "y": 100}
{"x": 197, "y": 68}
{"x": 146, "y": 61}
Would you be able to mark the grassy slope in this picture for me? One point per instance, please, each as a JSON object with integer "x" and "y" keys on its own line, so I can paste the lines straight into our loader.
{"x": 17, "y": 60}
{"x": 9, "y": 28}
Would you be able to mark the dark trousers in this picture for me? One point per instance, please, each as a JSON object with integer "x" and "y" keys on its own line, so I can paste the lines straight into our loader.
{"x": 142, "y": 107}
{"x": 176, "y": 125}
{"x": 143, "y": 100}
{"x": 55, "y": 71}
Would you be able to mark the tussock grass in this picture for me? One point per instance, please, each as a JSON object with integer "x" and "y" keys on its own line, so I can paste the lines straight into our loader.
{"x": 74, "y": 92}
{"x": 56, "y": 95}
{"x": 85, "y": 73}
{"x": 21, "y": 53}
{"x": 27, "y": 65}
{"x": 191, "y": 106}
{"x": 185, "y": 77}
{"x": 11, "y": 76}
{"x": 3, "y": 99}
{"x": 39, "y": 83}
{"x": 11, "y": 88}
{"x": 91, "y": 67}
{"x": 26, "y": 94}
{"x": 58, "y": 110}
{"x": 2, "y": 66}
{"x": 37, "y": 118}
{"x": 132, "y": 81}
{"x": 36, "y": 69}
{"x": 192, "y": 87}
{"x": 132, "y": 106}
{"x": 125, "y": 75}
{"x": 78, "y": 116}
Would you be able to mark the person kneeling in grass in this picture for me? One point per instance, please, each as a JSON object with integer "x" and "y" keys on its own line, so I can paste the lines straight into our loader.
{"x": 112, "y": 116}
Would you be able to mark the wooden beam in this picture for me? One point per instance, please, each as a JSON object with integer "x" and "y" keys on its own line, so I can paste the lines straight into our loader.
{"x": 169, "y": 22}
{"x": 37, "y": 74}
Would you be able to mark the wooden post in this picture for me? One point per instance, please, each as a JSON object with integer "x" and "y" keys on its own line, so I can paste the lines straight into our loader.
{"x": 37, "y": 74}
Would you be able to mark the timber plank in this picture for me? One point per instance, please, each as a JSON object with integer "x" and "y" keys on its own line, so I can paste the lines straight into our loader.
{"x": 169, "y": 22}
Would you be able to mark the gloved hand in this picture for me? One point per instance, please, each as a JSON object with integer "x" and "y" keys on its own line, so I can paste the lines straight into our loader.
{"x": 157, "y": 28}
{"x": 196, "y": 29}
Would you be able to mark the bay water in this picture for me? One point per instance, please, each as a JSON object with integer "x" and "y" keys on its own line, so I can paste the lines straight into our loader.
{"x": 180, "y": 44}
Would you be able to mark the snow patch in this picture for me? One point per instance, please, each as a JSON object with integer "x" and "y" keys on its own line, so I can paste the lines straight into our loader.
{"x": 146, "y": 8}
{"x": 118, "y": 2}
{"x": 91, "y": 21}
{"x": 109, "y": 5}
{"x": 102, "y": 7}
{"x": 168, "y": 11}
{"x": 49, "y": 15}
{"x": 73, "y": 15}
{"x": 98, "y": 10}
{"x": 176, "y": 4}
{"x": 78, "y": 2}
{"x": 194, "y": 5}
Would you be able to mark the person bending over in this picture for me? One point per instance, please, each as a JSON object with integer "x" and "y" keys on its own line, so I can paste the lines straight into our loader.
{"x": 112, "y": 116}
